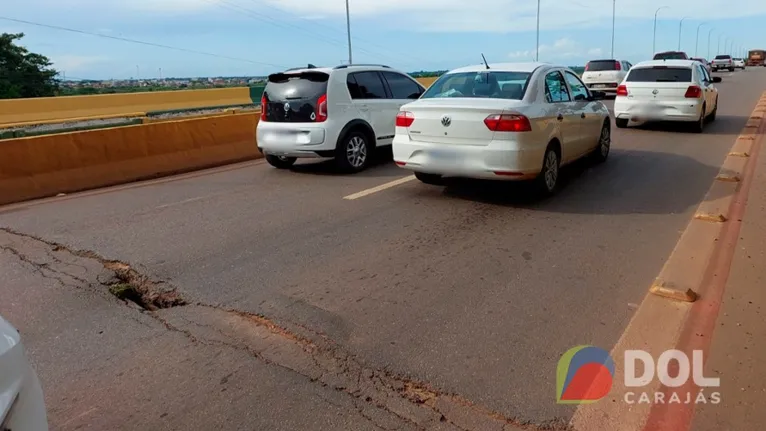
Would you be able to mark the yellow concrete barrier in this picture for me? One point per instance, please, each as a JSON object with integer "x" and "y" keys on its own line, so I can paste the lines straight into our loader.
{"x": 64, "y": 163}
{"x": 426, "y": 82}
{"x": 59, "y": 108}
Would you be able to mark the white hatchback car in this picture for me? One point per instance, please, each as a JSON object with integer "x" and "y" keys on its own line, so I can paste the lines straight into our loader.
{"x": 503, "y": 122}
{"x": 667, "y": 90}
{"x": 22, "y": 406}
{"x": 343, "y": 113}
{"x": 605, "y": 75}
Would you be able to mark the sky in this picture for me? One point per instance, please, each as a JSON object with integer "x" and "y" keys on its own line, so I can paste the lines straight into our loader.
{"x": 258, "y": 37}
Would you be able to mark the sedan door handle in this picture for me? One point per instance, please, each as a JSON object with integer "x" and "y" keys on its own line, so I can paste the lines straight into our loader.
{"x": 560, "y": 117}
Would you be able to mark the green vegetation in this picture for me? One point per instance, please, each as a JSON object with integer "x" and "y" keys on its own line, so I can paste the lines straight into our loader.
{"x": 24, "y": 73}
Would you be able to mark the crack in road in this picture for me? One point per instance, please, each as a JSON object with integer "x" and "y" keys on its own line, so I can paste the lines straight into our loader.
{"x": 397, "y": 401}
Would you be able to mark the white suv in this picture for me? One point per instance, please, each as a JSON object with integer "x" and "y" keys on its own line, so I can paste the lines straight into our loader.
{"x": 343, "y": 113}
{"x": 605, "y": 75}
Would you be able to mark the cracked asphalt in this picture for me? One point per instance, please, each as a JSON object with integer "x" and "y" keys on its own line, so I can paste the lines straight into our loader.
{"x": 411, "y": 308}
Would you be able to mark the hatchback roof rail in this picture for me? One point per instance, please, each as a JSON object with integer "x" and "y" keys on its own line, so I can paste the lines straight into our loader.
{"x": 345, "y": 66}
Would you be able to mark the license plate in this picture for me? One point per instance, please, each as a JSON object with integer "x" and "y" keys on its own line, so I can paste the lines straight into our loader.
{"x": 599, "y": 86}
{"x": 442, "y": 155}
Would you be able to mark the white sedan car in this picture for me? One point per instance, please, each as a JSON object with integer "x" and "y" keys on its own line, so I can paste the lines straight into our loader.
{"x": 22, "y": 407}
{"x": 504, "y": 122}
{"x": 667, "y": 90}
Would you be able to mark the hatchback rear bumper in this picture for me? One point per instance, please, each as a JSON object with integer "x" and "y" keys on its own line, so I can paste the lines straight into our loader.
{"x": 641, "y": 111}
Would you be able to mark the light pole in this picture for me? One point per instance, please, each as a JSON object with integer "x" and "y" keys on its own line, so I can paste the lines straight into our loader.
{"x": 710, "y": 33}
{"x": 718, "y": 49}
{"x": 697, "y": 40}
{"x": 348, "y": 31}
{"x": 537, "y": 44}
{"x": 654, "y": 37}
{"x": 680, "y": 25}
{"x": 614, "y": 10}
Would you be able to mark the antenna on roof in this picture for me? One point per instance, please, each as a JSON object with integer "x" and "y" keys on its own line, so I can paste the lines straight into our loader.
{"x": 485, "y": 60}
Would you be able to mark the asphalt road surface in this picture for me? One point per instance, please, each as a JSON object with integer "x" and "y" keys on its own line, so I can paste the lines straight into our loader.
{"x": 473, "y": 291}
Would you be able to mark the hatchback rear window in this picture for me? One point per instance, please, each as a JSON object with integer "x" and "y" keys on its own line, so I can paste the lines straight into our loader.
{"x": 722, "y": 57}
{"x": 483, "y": 84}
{"x": 293, "y": 97}
{"x": 660, "y": 74}
{"x": 601, "y": 65}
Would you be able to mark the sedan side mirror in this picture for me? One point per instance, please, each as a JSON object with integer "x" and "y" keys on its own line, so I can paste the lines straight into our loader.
{"x": 597, "y": 95}
{"x": 717, "y": 79}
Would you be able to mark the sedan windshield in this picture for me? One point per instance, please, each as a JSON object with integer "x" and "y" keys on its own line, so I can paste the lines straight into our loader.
{"x": 484, "y": 84}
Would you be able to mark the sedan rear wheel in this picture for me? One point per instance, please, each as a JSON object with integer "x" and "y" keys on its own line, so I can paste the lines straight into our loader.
{"x": 699, "y": 126}
{"x": 432, "y": 179}
{"x": 601, "y": 152}
{"x": 548, "y": 180}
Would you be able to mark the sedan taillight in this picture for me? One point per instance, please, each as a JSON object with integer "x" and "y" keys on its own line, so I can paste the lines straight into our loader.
{"x": 508, "y": 123}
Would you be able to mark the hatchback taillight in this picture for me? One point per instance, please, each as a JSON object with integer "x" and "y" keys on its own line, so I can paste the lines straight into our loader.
{"x": 693, "y": 92}
{"x": 508, "y": 123}
{"x": 617, "y": 65}
{"x": 264, "y": 105}
{"x": 404, "y": 119}
{"x": 321, "y": 114}
{"x": 622, "y": 91}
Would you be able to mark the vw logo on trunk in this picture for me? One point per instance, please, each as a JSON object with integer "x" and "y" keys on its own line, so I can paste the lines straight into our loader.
{"x": 655, "y": 91}
{"x": 287, "y": 106}
{"x": 446, "y": 121}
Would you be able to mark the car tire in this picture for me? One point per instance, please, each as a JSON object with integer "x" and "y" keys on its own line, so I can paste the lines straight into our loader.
{"x": 548, "y": 181}
{"x": 713, "y": 114}
{"x": 280, "y": 162}
{"x": 699, "y": 125}
{"x": 431, "y": 179}
{"x": 353, "y": 152}
{"x": 601, "y": 152}
{"x": 621, "y": 123}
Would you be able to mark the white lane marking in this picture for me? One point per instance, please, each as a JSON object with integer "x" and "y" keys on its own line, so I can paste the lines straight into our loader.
{"x": 379, "y": 188}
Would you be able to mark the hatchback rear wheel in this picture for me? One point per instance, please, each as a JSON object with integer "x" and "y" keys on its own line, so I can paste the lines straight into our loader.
{"x": 353, "y": 153}
{"x": 280, "y": 162}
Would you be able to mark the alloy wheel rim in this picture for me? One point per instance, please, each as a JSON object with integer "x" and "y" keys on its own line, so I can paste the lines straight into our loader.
{"x": 605, "y": 141}
{"x": 356, "y": 151}
{"x": 551, "y": 170}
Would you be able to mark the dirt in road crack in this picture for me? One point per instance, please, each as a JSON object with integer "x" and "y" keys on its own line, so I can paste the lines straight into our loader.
{"x": 411, "y": 404}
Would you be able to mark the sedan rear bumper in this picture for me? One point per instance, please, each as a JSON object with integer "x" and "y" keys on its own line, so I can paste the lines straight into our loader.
{"x": 496, "y": 161}
{"x": 640, "y": 111}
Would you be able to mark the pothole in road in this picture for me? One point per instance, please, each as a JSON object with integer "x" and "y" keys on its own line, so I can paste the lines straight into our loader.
{"x": 128, "y": 285}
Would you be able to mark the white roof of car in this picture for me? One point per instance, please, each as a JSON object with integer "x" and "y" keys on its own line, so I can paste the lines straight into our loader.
{"x": 326, "y": 70}
{"x": 671, "y": 63}
{"x": 503, "y": 67}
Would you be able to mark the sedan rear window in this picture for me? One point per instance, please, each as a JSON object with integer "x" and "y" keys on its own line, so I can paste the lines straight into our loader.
{"x": 722, "y": 57}
{"x": 484, "y": 84}
{"x": 671, "y": 56}
{"x": 600, "y": 65}
{"x": 660, "y": 74}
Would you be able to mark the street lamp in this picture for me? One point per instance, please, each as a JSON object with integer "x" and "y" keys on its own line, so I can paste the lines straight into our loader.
{"x": 697, "y": 40}
{"x": 718, "y": 49}
{"x": 348, "y": 32}
{"x": 537, "y": 44}
{"x": 680, "y": 25}
{"x": 614, "y": 10}
{"x": 708, "y": 41}
{"x": 654, "y": 38}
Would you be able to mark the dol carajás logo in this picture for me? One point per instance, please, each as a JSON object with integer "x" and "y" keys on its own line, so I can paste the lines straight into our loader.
{"x": 584, "y": 375}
